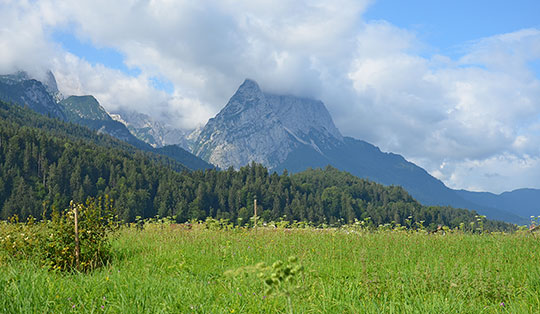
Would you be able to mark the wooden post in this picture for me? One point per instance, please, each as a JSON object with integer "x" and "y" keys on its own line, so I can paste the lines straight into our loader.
{"x": 77, "y": 247}
{"x": 255, "y": 212}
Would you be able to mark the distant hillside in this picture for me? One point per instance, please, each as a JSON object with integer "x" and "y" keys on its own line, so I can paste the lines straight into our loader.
{"x": 83, "y": 110}
{"x": 150, "y": 131}
{"x": 19, "y": 89}
{"x": 44, "y": 163}
{"x": 523, "y": 202}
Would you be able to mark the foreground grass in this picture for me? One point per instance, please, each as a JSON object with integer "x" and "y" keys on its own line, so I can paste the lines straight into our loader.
{"x": 172, "y": 270}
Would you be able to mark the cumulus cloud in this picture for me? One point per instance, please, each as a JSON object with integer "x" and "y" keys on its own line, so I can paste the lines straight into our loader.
{"x": 23, "y": 38}
{"x": 463, "y": 120}
{"x": 472, "y": 121}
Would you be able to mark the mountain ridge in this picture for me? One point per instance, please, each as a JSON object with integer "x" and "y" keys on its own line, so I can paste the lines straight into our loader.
{"x": 256, "y": 126}
{"x": 20, "y": 89}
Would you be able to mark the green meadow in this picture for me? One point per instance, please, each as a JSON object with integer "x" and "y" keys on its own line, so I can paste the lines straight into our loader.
{"x": 167, "y": 268}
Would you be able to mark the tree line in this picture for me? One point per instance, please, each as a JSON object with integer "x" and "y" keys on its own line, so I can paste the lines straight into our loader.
{"x": 45, "y": 163}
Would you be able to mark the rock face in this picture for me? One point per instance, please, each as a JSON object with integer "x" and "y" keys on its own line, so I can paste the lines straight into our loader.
{"x": 265, "y": 128}
{"x": 19, "y": 88}
{"x": 155, "y": 133}
{"x": 52, "y": 87}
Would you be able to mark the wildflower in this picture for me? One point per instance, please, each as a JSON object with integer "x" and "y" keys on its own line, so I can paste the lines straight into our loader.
{"x": 502, "y": 304}
{"x": 73, "y": 306}
{"x": 103, "y": 307}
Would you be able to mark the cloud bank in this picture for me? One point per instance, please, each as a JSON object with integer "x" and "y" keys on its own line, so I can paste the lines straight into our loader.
{"x": 472, "y": 121}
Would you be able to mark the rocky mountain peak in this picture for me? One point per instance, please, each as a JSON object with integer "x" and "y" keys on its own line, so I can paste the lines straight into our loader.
{"x": 154, "y": 133}
{"x": 248, "y": 95}
{"x": 262, "y": 127}
{"x": 248, "y": 85}
{"x": 52, "y": 87}
{"x": 20, "y": 88}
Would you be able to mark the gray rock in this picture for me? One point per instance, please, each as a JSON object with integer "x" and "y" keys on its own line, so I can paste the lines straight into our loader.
{"x": 150, "y": 131}
{"x": 265, "y": 128}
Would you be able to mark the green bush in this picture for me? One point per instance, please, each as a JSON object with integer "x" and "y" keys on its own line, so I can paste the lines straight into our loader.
{"x": 53, "y": 241}
{"x": 95, "y": 221}
{"x": 21, "y": 240}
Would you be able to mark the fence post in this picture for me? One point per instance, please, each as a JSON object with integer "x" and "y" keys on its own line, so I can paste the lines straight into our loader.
{"x": 255, "y": 212}
{"x": 77, "y": 246}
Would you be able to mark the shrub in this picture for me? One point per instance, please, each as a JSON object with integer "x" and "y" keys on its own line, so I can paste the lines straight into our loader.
{"x": 53, "y": 241}
{"x": 95, "y": 221}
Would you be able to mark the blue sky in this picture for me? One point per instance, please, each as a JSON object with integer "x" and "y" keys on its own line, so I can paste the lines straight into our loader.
{"x": 106, "y": 56}
{"x": 453, "y": 86}
{"x": 84, "y": 49}
{"x": 447, "y": 25}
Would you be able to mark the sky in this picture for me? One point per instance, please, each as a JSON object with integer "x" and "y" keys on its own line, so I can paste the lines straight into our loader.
{"x": 453, "y": 86}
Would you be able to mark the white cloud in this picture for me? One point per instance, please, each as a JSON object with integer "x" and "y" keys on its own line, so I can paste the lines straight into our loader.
{"x": 471, "y": 115}
{"x": 23, "y": 39}
{"x": 472, "y": 121}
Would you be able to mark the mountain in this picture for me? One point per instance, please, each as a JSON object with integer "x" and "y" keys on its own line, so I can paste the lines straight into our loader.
{"x": 86, "y": 110}
{"x": 288, "y": 132}
{"x": 52, "y": 88}
{"x": 265, "y": 128}
{"x": 19, "y": 88}
{"x": 45, "y": 163}
{"x": 155, "y": 133}
{"x": 523, "y": 202}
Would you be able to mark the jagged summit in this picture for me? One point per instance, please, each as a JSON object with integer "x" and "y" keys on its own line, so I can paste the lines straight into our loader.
{"x": 20, "y": 88}
{"x": 265, "y": 128}
{"x": 247, "y": 95}
{"x": 248, "y": 84}
{"x": 153, "y": 132}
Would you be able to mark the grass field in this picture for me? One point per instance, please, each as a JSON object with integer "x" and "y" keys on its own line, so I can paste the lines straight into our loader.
{"x": 162, "y": 269}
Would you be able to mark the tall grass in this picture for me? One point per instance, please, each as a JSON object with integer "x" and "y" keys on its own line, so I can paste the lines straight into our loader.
{"x": 169, "y": 269}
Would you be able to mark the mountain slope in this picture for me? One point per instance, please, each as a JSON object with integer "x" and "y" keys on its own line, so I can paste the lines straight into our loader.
{"x": 83, "y": 110}
{"x": 523, "y": 202}
{"x": 152, "y": 132}
{"x": 86, "y": 110}
{"x": 367, "y": 161}
{"x": 45, "y": 163}
{"x": 287, "y": 132}
{"x": 20, "y": 89}
{"x": 84, "y": 107}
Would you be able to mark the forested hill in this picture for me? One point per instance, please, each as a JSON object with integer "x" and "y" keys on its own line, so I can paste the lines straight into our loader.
{"x": 44, "y": 163}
